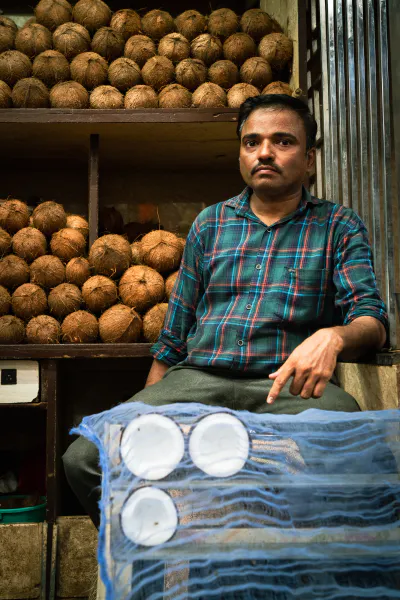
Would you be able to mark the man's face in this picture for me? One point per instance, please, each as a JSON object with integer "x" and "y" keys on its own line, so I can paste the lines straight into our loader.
{"x": 273, "y": 157}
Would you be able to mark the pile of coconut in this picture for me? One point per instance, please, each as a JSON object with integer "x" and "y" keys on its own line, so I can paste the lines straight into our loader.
{"x": 85, "y": 56}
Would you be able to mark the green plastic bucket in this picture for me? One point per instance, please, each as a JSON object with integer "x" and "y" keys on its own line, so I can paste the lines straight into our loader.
{"x": 29, "y": 514}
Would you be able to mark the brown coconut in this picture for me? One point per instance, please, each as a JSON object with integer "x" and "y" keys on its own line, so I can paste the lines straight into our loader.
{"x": 239, "y": 47}
{"x": 14, "y": 215}
{"x": 49, "y": 217}
{"x": 106, "y": 97}
{"x": 14, "y": 271}
{"x": 80, "y": 327}
{"x": 77, "y": 271}
{"x": 223, "y": 23}
{"x": 239, "y": 93}
{"x": 224, "y": 73}
{"x": 108, "y": 43}
{"x": 120, "y": 324}
{"x": 141, "y": 96}
{"x": 191, "y": 73}
{"x": 207, "y": 48}
{"x": 110, "y": 255}
{"x": 153, "y": 322}
{"x": 175, "y": 47}
{"x": 257, "y": 23}
{"x": 79, "y": 223}
{"x": 9, "y": 23}
{"x": 126, "y": 22}
{"x": 277, "y": 49}
{"x": 141, "y": 287}
{"x": 30, "y": 93}
{"x": 69, "y": 94}
{"x": 33, "y": 40}
{"x": 158, "y": 72}
{"x": 47, "y": 271}
{"x": 209, "y": 95}
{"x": 157, "y": 23}
{"x": 12, "y": 330}
{"x": 169, "y": 283}
{"x": 29, "y": 243}
{"x": 43, "y": 330}
{"x": 124, "y": 73}
{"x": 99, "y": 293}
{"x": 5, "y": 301}
{"x": 14, "y": 66}
{"x": 53, "y": 13}
{"x": 67, "y": 243}
{"x": 64, "y": 299}
{"x": 5, "y": 242}
{"x": 278, "y": 87}
{"x": 92, "y": 14}
{"x": 30, "y": 21}
{"x": 161, "y": 250}
{"x": 5, "y": 95}
{"x": 136, "y": 253}
{"x": 190, "y": 24}
{"x": 28, "y": 300}
{"x": 89, "y": 69}
{"x": 257, "y": 72}
{"x": 8, "y": 30}
{"x": 140, "y": 48}
{"x": 71, "y": 39}
{"x": 51, "y": 67}
{"x": 174, "y": 96}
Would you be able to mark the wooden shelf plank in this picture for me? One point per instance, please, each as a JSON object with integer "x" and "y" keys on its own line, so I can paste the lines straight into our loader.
{"x": 53, "y": 351}
{"x": 30, "y": 405}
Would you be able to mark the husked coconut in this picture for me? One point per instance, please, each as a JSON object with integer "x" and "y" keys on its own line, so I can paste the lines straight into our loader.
{"x": 89, "y": 69}
{"x": 190, "y": 24}
{"x": 9, "y": 23}
{"x": 108, "y": 43}
{"x": 209, "y": 95}
{"x": 71, "y": 39}
{"x": 69, "y": 94}
{"x": 5, "y": 301}
{"x": 110, "y": 255}
{"x": 256, "y": 71}
{"x": 43, "y": 330}
{"x": 124, "y": 73}
{"x": 239, "y": 93}
{"x": 51, "y": 67}
{"x": 77, "y": 271}
{"x": 5, "y": 95}
{"x": 120, "y": 324}
{"x": 67, "y": 243}
{"x": 53, "y": 13}
{"x": 8, "y": 30}
{"x": 92, "y": 14}
{"x": 257, "y": 23}
{"x": 28, "y": 300}
{"x": 141, "y": 96}
{"x": 30, "y": 93}
{"x": 174, "y": 46}
{"x": 64, "y": 299}
{"x": 49, "y": 217}
{"x": 191, "y": 73}
{"x": 5, "y": 242}
{"x": 14, "y": 215}
{"x": 80, "y": 327}
{"x": 136, "y": 253}
{"x": 127, "y": 22}
{"x": 223, "y": 22}
{"x": 106, "y": 97}
{"x": 157, "y": 23}
{"x": 278, "y": 87}
{"x": 79, "y": 223}
{"x": 140, "y": 48}
{"x": 33, "y": 40}
{"x": 224, "y": 73}
{"x": 141, "y": 287}
{"x": 239, "y": 47}
{"x": 12, "y": 330}
{"x": 277, "y": 49}
{"x": 161, "y": 250}
{"x": 29, "y": 243}
{"x": 158, "y": 72}
{"x": 174, "y": 96}
{"x": 153, "y": 322}
{"x": 207, "y": 48}
{"x": 99, "y": 293}
{"x": 47, "y": 271}
{"x": 14, "y": 66}
{"x": 169, "y": 283}
{"x": 14, "y": 271}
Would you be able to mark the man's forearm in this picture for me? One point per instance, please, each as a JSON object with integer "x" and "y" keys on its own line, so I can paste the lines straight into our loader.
{"x": 156, "y": 372}
{"x": 360, "y": 336}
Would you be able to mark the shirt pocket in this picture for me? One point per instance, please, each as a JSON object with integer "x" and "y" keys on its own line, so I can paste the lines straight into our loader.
{"x": 309, "y": 299}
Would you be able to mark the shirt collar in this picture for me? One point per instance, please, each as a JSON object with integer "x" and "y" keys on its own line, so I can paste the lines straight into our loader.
{"x": 241, "y": 203}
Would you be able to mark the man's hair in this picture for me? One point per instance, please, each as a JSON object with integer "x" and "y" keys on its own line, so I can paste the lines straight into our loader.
{"x": 279, "y": 101}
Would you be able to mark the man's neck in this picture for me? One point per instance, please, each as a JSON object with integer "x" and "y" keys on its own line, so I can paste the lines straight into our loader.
{"x": 270, "y": 209}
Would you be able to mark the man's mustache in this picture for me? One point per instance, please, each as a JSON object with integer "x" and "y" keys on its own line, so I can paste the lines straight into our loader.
{"x": 267, "y": 164}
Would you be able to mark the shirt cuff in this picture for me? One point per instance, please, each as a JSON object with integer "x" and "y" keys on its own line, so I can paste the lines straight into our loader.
{"x": 169, "y": 349}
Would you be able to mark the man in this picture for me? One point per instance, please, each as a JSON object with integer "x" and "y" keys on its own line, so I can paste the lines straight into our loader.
{"x": 274, "y": 286}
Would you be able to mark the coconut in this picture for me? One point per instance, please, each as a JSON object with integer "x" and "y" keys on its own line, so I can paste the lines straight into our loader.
{"x": 111, "y": 220}
{"x": 79, "y": 223}
{"x": 141, "y": 287}
{"x": 5, "y": 242}
{"x": 51, "y": 67}
{"x": 141, "y": 96}
{"x": 257, "y": 23}
{"x": 71, "y": 39}
{"x": 140, "y": 49}
{"x": 14, "y": 66}
{"x": 190, "y": 24}
{"x": 239, "y": 47}
{"x": 174, "y": 46}
{"x": 67, "y": 243}
{"x": 77, "y": 271}
{"x": 110, "y": 255}
{"x": 12, "y": 330}
{"x": 80, "y": 327}
{"x": 209, "y": 95}
{"x": 33, "y": 40}
{"x": 29, "y": 243}
{"x": 277, "y": 49}
{"x": 30, "y": 93}
{"x": 126, "y": 22}
{"x": 157, "y": 23}
{"x": 14, "y": 271}
{"x": 278, "y": 87}
{"x": 124, "y": 73}
{"x": 161, "y": 250}
{"x": 191, "y": 73}
{"x": 174, "y": 96}
{"x": 43, "y": 330}
{"x": 239, "y": 93}
{"x": 99, "y": 293}
{"x": 30, "y": 21}
{"x": 7, "y": 34}
{"x": 153, "y": 322}
{"x": 108, "y": 43}
{"x": 257, "y": 72}
{"x": 120, "y": 324}
{"x": 64, "y": 299}
{"x": 9, "y": 23}
{"x": 5, "y": 95}
{"x": 69, "y": 94}
{"x": 106, "y": 97}
{"x": 47, "y": 271}
{"x": 223, "y": 22}
{"x": 182, "y": 242}
{"x": 136, "y": 253}
{"x": 92, "y": 14}
{"x": 5, "y": 301}
{"x": 207, "y": 48}
{"x": 224, "y": 73}
{"x": 53, "y": 13}
{"x": 49, "y": 217}
{"x": 29, "y": 300}
{"x": 158, "y": 72}
{"x": 169, "y": 283}
{"x": 89, "y": 69}
{"x": 14, "y": 215}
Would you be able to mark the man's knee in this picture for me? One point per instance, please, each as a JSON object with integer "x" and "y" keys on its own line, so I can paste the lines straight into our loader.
{"x": 80, "y": 459}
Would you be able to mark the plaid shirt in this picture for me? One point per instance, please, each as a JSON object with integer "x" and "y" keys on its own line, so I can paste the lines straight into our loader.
{"x": 248, "y": 294}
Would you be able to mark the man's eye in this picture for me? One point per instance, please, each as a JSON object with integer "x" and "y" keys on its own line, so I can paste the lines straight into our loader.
{"x": 250, "y": 143}
{"x": 284, "y": 142}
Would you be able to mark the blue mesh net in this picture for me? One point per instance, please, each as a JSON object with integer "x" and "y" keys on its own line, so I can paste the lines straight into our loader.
{"x": 273, "y": 506}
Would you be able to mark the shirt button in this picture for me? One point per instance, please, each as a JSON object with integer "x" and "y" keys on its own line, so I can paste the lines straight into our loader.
{"x": 240, "y": 343}
{"x": 248, "y": 306}
{"x": 268, "y": 229}
{"x": 258, "y": 266}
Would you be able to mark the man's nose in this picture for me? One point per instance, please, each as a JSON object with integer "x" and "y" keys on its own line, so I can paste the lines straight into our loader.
{"x": 266, "y": 150}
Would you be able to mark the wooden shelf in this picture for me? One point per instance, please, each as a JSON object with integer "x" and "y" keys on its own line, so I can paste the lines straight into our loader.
{"x": 67, "y": 351}
{"x": 30, "y": 405}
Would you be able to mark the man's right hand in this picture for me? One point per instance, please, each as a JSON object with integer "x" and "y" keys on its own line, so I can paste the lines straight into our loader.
{"x": 157, "y": 371}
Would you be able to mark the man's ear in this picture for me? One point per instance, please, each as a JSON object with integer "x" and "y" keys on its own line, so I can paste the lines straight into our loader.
{"x": 310, "y": 160}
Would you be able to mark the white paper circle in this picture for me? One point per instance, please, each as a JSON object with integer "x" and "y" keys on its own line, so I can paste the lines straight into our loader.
{"x": 219, "y": 445}
{"x": 152, "y": 446}
{"x": 149, "y": 517}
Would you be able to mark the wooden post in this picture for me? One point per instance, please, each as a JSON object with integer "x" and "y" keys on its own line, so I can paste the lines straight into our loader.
{"x": 93, "y": 188}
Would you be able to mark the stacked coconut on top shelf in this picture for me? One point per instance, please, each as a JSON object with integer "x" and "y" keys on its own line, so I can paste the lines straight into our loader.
{"x": 85, "y": 56}
{"x": 50, "y": 292}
